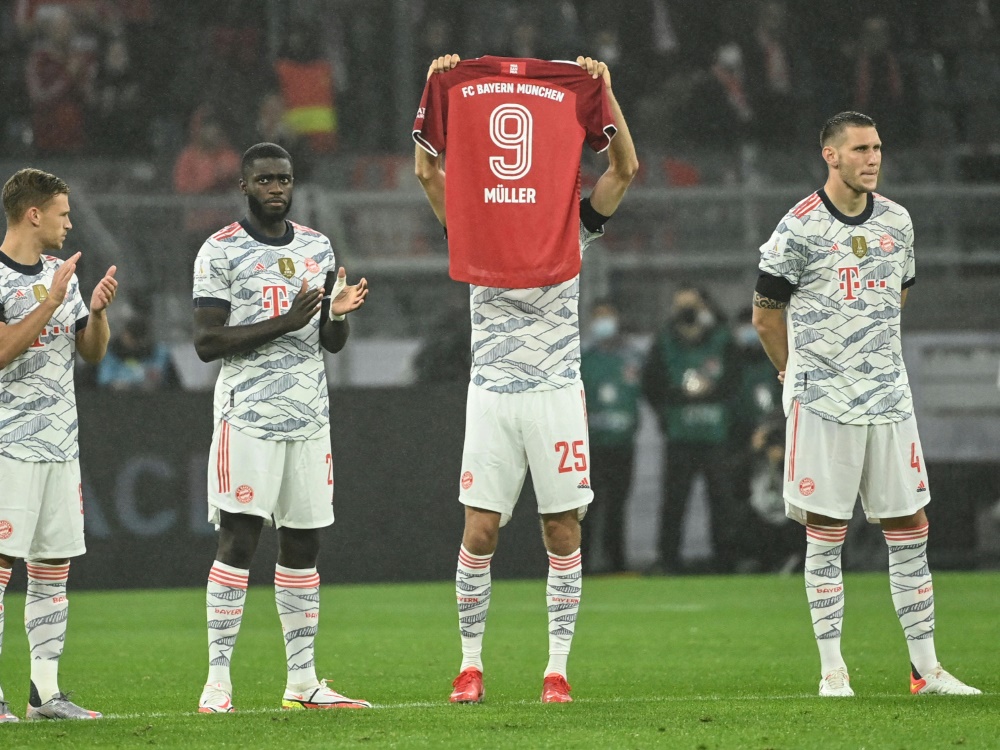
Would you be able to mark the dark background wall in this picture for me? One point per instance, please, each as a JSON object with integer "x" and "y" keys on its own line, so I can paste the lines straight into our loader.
{"x": 396, "y": 453}
{"x": 397, "y": 456}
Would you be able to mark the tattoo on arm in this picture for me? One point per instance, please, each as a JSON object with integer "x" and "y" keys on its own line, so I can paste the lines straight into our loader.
{"x": 766, "y": 303}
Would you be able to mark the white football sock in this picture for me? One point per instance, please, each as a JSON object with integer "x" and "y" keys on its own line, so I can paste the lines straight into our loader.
{"x": 563, "y": 588}
{"x": 913, "y": 593}
{"x": 296, "y": 594}
{"x": 825, "y": 591}
{"x": 226, "y": 595}
{"x": 46, "y": 608}
{"x": 472, "y": 593}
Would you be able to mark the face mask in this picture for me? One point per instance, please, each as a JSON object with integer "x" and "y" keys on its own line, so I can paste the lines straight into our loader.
{"x": 687, "y": 316}
{"x": 603, "y": 328}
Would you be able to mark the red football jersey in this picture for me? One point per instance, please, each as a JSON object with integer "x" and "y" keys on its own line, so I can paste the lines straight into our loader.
{"x": 513, "y": 130}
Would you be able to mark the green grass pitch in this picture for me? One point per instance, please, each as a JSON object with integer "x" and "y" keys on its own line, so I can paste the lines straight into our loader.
{"x": 699, "y": 663}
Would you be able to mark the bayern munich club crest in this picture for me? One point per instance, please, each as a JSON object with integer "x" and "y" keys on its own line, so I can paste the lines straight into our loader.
{"x": 6, "y": 529}
{"x": 887, "y": 243}
{"x": 807, "y": 487}
{"x": 311, "y": 265}
{"x": 244, "y": 494}
{"x": 466, "y": 480}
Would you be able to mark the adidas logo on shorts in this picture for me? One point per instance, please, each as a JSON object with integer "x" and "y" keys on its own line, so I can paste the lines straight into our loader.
{"x": 584, "y": 485}
{"x": 921, "y": 487}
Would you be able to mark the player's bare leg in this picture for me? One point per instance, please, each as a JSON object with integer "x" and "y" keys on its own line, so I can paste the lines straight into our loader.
{"x": 824, "y": 576}
{"x": 913, "y": 598}
{"x": 563, "y": 587}
{"x": 225, "y": 598}
{"x": 473, "y": 584}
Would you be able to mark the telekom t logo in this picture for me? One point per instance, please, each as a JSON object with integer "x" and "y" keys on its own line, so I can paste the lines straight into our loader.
{"x": 850, "y": 281}
{"x": 276, "y": 299}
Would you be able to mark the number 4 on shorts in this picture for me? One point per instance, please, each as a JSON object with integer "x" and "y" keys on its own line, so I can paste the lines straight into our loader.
{"x": 914, "y": 458}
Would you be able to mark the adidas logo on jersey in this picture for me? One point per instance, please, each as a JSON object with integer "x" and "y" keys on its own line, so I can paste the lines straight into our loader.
{"x": 584, "y": 485}
{"x": 259, "y": 267}
{"x": 921, "y": 487}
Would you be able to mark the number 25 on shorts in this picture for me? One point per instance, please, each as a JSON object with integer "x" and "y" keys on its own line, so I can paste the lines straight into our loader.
{"x": 564, "y": 448}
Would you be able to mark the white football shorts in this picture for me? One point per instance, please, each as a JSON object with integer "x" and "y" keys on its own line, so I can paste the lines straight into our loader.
{"x": 285, "y": 482}
{"x": 827, "y": 464}
{"x": 41, "y": 509}
{"x": 507, "y": 433}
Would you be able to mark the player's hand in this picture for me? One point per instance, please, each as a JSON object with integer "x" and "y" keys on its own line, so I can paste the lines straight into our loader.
{"x": 60, "y": 279}
{"x": 443, "y": 64}
{"x": 305, "y": 305}
{"x": 104, "y": 292}
{"x": 595, "y": 68}
{"x": 781, "y": 377}
{"x": 350, "y": 298}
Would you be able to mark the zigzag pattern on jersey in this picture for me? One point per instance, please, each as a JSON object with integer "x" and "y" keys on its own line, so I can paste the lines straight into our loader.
{"x": 277, "y": 391}
{"x": 527, "y": 339}
{"x": 848, "y": 360}
{"x": 38, "y": 419}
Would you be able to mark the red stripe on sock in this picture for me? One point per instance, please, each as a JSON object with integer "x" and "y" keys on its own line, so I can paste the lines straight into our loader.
{"x": 827, "y": 533}
{"x": 565, "y": 563}
{"x": 474, "y": 561}
{"x": 48, "y": 573}
{"x": 296, "y": 582}
{"x": 225, "y": 578}
{"x": 904, "y": 535}
{"x": 4, "y": 576}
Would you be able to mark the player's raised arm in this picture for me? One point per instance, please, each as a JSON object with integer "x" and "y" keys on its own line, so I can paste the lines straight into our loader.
{"x": 92, "y": 341}
{"x": 428, "y": 167}
{"x": 623, "y": 164}
{"x": 213, "y": 339}
{"x": 429, "y": 170}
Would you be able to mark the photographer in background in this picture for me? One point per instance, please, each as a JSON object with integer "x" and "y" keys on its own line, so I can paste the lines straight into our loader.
{"x": 689, "y": 377}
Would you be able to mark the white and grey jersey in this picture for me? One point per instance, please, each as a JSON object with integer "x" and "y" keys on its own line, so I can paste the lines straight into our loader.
{"x": 527, "y": 339}
{"x": 278, "y": 391}
{"x": 38, "y": 420}
{"x": 845, "y": 359}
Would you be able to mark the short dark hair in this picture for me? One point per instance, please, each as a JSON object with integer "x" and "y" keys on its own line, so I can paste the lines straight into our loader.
{"x": 29, "y": 188}
{"x": 840, "y": 122}
{"x": 262, "y": 151}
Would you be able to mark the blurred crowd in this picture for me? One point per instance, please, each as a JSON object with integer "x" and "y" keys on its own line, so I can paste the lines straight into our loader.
{"x": 717, "y": 403}
{"x": 142, "y": 77}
